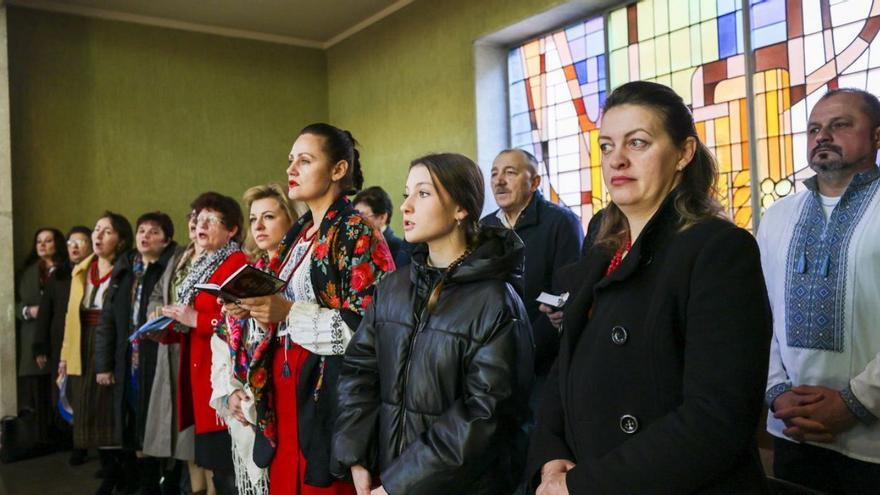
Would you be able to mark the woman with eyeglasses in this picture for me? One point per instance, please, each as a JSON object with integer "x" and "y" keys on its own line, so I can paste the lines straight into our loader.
{"x": 92, "y": 404}
{"x": 50, "y": 330}
{"x": 218, "y": 233}
{"x": 47, "y": 254}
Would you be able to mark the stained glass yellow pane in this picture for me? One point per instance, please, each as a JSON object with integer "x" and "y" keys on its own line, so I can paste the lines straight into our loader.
{"x": 680, "y": 45}
{"x": 647, "y": 59}
{"x": 709, "y": 32}
{"x": 645, "y": 17}
{"x": 617, "y": 29}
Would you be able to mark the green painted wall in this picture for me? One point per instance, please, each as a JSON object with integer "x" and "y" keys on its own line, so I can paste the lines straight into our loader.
{"x": 133, "y": 118}
{"x": 405, "y": 86}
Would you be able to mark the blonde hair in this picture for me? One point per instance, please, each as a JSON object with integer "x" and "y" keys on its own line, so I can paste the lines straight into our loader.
{"x": 256, "y": 193}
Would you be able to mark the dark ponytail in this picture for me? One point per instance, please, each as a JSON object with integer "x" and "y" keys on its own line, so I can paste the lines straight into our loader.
{"x": 340, "y": 145}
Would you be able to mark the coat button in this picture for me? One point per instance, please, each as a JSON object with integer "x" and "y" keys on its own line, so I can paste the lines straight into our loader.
{"x": 629, "y": 424}
{"x": 619, "y": 335}
{"x": 214, "y": 322}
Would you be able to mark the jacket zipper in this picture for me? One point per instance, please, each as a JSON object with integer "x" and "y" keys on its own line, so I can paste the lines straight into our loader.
{"x": 420, "y": 325}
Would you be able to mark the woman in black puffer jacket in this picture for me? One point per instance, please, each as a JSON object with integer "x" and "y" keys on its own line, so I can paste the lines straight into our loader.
{"x": 435, "y": 383}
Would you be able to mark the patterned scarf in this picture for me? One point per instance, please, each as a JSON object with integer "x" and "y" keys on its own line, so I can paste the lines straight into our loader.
{"x": 201, "y": 271}
{"x": 232, "y": 331}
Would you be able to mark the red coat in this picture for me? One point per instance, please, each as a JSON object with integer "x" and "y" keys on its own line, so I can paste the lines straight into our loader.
{"x": 194, "y": 380}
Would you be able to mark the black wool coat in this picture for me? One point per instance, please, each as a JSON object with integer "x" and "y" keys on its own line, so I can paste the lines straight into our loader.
{"x": 658, "y": 388}
{"x": 113, "y": 350}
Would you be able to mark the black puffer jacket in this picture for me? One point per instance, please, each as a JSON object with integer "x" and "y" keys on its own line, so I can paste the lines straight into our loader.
{"x": 435, "y": 403}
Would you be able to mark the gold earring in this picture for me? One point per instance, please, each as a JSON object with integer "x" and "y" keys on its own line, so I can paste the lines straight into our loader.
{"x": 458, "y": 222}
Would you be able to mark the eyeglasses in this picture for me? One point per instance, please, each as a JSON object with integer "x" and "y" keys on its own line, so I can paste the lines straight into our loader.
{"x": 211, "y": 220}
{"x": 76, "y": 242}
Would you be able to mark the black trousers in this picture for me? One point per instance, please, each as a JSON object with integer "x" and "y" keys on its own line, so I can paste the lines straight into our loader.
{"x": 823, "y": 469}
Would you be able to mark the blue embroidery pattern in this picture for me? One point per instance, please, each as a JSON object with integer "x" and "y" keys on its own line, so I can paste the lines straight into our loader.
{"x": 856, "y": 407}
{"x": 815, "y": 279}
{"x": 774, "y": 392}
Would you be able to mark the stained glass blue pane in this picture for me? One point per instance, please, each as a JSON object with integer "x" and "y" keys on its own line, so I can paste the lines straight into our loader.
{"x": 769, "y": 35}
{"x": 767, "y": 12}
{"x": 727, "y": 35}
{"x": 514, "y": 66}
{"x": 726, "y": 6}
{"x": 600, "y": 63}
{"x": 740, "y": 42}
{"x": 575, "y": 31}
{"x": 602, "y": 96}
{"x": 595, "y": 43}
{"x": 518, "y": 102}
{"x": 580, "y": 69}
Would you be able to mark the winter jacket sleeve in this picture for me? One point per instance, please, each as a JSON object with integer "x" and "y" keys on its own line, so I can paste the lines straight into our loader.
{"x": 728, "y": 329}
{"x": 454, "y": 449}
{"x": 354, "y": 442}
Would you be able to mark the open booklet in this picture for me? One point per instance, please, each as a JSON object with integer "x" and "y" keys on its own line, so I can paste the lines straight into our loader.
{"x": 246, "y": 282}
{"x": 158, "y": 324}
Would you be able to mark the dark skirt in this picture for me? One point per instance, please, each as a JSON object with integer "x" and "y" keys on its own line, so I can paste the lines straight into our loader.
{"x": 93, "y": 406}
{"x": 34, "y": 393}
{"x": 214, "y": 450}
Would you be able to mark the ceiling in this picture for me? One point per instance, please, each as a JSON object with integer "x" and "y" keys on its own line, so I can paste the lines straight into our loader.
{"x": 313, "y": 23}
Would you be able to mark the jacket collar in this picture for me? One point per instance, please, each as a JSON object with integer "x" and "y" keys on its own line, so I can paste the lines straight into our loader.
{"x": 528, "y": 217}
{"x": 665, "y": 219}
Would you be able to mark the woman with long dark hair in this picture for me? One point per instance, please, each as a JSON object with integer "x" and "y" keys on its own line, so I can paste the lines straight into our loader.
{"x": 660, "y": 376}
{"x": 331, "y": 258}
{"x": 47, "y": 255}
{"x": 50, "y": 331}
{"x": 93, "y": 411}
{"x": 435, "y": 383}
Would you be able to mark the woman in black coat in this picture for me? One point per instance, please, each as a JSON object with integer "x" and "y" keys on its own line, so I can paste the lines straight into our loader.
{"x": 661, "y": 370}
{"x": 50, "y": 330}
{"x": 434, "y": 389}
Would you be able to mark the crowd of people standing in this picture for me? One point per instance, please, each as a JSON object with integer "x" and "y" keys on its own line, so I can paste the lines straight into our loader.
{"x": 427, "y": 365}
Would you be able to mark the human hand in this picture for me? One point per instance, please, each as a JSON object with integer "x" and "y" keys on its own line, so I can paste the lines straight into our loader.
{"x": 268, "y": 309}
{"x": 62, "y": 369}
{"x": 362, "y": 480}
{"x": 555, "y": 315}
{"x": 379, "y": 491}
{"x": 33, "y": 312}
{"x": 552, "y": 484}
{"x": 234, "y": 404}
{"x": 182, "y": 313}
{"x": 234, "y": 309}
{"x": 818, "y": 416}
{"x": 41, "y": 360}
{"x": 105, "y": 379}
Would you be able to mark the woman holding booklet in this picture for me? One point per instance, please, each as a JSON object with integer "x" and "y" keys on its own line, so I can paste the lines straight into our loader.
{"x": 218, "y": 232}
{"x": 235, "y": 339}
{"x": 331, "y": 259}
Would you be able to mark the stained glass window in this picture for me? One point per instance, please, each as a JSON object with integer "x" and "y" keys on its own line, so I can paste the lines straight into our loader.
{"x": 557, "y": 86}
{"x": 800, "y": 49}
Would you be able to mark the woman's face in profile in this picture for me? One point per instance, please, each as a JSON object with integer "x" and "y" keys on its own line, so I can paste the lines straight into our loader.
{"x": 268, "y": 223}
{"x": 639, "y": 160}
{"x": 308, "y": 176}
{"x": 426, "y": 216}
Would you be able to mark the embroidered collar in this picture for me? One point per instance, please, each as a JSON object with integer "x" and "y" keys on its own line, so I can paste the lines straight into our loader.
{"x": 858, "y": 181}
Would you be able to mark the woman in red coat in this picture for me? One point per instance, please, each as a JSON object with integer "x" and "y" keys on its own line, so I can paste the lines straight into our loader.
{"x": 218, "y": 231}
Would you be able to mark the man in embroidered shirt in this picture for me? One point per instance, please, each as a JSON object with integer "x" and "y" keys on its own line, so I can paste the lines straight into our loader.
{"x": 820, "y": 253}
{"x": 552, "y": 236}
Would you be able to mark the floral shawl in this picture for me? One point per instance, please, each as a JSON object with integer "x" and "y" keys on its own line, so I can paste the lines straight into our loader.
{"x": 348, "y": 259}
{"x": 231, "y": 330}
